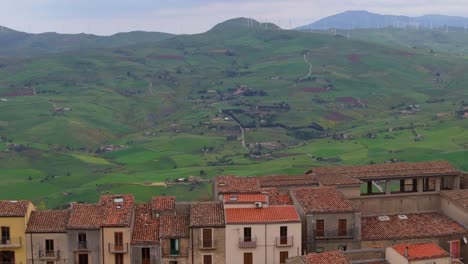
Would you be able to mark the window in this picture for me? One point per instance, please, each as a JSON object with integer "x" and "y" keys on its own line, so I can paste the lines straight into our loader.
{"x": 83, "y": 259}
{"x": 320, "y": 228}
{"x": 82, "y": 241}
{"x": 119, "y": 258}
{"x": 173, "y": 262}
{"x": 283, "y": 256}
{"x": 49, "y": 262}
{"x": 5, "y": 235}
{"x": 319, "y": 250}
{"x": 247, "y": 234}
{"x": 145, "y": 256}
{"x": 49, "y": 247}
{"x": 429, "y": 184}
{"x": 174, "y": 246}
{"x": 342, "y": 247}
{"x": 207, "y": 259}
{"x": 455, "y": 248}
{"x": 342, "y": 227}
{"x": 118, "y": 241}
{"x": 283, "y": 235}
{"x": 248, "y": 258}
{"x": 7, "y": 257}
{"x": 207, "y": 238}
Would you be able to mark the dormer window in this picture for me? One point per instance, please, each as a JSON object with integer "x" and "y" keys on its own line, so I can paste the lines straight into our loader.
{"x": 119, "y": 200}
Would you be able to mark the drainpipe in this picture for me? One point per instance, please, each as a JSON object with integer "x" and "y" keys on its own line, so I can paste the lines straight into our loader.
{"x": 102, "y": 245}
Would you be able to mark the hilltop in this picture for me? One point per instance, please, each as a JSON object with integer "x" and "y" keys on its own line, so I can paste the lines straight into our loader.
{"x": 358, "y": 19}
{"x": 234, "y": 100}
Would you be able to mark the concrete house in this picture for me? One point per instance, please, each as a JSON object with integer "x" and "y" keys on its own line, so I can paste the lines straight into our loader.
{"x": 174, "y": 234}
{"x": 421, "y": 253}
{"x": 84, "y": 234}
{"x": 145, "y": 246}
{"x": 14, "y": 216}
{"x": 207, "y": 233}
{"x": 117, "y": 225}
{"x": 329, "y": 221}
{"x": 46, "y": 237}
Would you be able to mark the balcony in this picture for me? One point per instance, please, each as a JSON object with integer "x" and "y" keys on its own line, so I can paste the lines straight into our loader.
{"x": 174, "y": 253}
{"x": 118, "y": 248}
{"x": 335, "y": 234}
{"x": 247, "y": 242}
{"x": 12, "y": 242}
{"x": 49, "y": 254}
{"x": 82, "y": 245}
{"x": 207, "y": 244}
{"x": 284, "y": 241}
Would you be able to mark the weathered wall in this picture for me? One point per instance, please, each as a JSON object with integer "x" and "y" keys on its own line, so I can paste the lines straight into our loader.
{"x": 93, "y": 244}
{"x": 184, "y": 251}
{"x": 219, "y": 250}
{"x": 108, "y": 233}
{"x": 454, "y": 211}
{"x": 136, "y": 254}
{"x": 36, "y": 242}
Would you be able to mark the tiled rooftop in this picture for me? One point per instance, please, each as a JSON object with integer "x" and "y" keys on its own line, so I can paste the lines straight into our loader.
{"x": 275, "y": 197}
{"x": 335, "y": 257}
{"x": 390, "y": 170}
{"x": 53, "y": 221}
{"x": 322, "y": 200}
{"x": 271, "y": 214}
{"x": 245, "y": 198}
{"x": 421, "y": 251}
{"x": 174, "y": 226}
{"x": 146, "y": 229}
{"x": 163, "y": 203}
{"x": 117, "y": 210}
{"x": 287, "y": 181}
{"x": 10, "y": 208}
{"x": 459, "y": 197}
{"x": 337, "y": 180}
{"x": 235, "y": 184}
{"x": 206, "y": 214}
{"x": 85, "y": 216}
{"x": 423, "y": 225}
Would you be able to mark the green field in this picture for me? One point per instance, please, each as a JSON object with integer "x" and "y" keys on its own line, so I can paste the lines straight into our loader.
{"x": 161, "y": 104}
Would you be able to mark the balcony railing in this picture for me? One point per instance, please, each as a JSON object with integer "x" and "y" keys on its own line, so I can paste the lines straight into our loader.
{"x": 173, "y": 253}
{"x": 284, "y": 241}
{"x": 247, "y": 242}
{"x": 49, "y": 254}
{"x": 118, "y": 248}
{"x": 82, "y": 245}
{"x": 12, "y": 242}
{"x": 335, "y": 234}
{"x": 207, "y": 244}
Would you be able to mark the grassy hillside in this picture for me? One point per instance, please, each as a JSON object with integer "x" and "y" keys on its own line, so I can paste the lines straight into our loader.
{"x": 171, "y": 110}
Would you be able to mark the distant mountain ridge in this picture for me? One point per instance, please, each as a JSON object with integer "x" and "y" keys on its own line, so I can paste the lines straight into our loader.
{"x": 16, "y": 43}
{"x": 364, "y": 19}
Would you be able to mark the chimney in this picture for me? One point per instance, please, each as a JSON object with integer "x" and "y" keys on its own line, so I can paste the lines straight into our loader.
{"x": 406, "y": 252}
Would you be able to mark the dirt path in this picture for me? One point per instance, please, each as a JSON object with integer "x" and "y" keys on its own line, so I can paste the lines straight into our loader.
{"x": 242, "y": 132}
{"x": 310, "y": 68}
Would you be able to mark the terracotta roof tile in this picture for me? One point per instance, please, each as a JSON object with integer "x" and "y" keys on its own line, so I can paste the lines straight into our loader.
{"x": 235, "y": 184}
{"x": 459, "y": 197}
{"x": 287, "y": 181}
{"x": 54, "y": 221}
{"x": 421, "y": 251}
{"x": 390, "y": 170}
{"x": 335, "y": 257}
{"x": 275, "y": 197}
{"x": 245, "y": 198}
{"x": 423, "y": 225}
{"x": 146, "y": 228}
{"x": 207, "y": 214}
{"x": 10, "y": 208}
{"x": 174, "y": 226}
{"x": 271, "y": 214}
{"x": 322, "y": 200}
{"x": 85, "y": 216}
{"x": 337, "y": 180}
{"x": 117, "y": 210}
{"x": 163, "y": 203}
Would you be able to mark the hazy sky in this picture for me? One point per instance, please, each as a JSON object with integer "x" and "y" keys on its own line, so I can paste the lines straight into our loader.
{"x": 106, "y": 17}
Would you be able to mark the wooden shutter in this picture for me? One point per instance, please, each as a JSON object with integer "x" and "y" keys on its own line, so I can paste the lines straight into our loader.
{"x": 283, "y": 256}
{"x": 283, "y": 235}
{"x": 320, "y": 228}
{"x": 207, "y": 238}
{"x": 248, "y": 258}
{"x": 207, "y": 259}
{"x": 342, "y": 227}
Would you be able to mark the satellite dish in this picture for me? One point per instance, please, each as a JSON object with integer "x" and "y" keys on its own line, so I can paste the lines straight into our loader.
{"x": 465, "y": 240}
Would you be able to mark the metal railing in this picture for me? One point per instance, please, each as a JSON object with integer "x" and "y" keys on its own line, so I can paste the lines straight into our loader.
{"x": 247, "y": 242}
{"x": 335, "y": 234}
{"x": 49, "y": 254}
{"x": 207, "y": 243}
{"x": 172, "y": 252}
{"x": 82, "y": 244}
{"x": 11, "y": 242}
{"x": 118, "y": 248}
{"x": 284, "y": 241}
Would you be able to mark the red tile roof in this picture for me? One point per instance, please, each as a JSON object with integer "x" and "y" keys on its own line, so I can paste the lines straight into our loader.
{"x": 271, "y": 214}
{"x": 163, "y": 203}
{"x": 207, "y": 214}
{"x": 54, "y": 221}
{"x": 13, "y": 208}
{"x": 424, "y": 225}
{"x": 459, "y": 197}
{"x": 235, "y": 184}
{"x": 287, "y": 181}
{"x": 245, "y": 198}
{"x": 322, "y": 200}
{"x": 85, "y": 216}
{"x": 174, "y": 226}
{"x": 335, "y": 257}
{"x": 421, "y": 251}
{"x": 117, "y": 210}
{"x": 390, "y": 170}
{"x": 146, "y": 228}
{"x": 337, "y": 180}
{"x": 275, "y": 197}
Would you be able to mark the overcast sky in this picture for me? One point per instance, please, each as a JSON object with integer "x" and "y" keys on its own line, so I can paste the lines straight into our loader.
{"x": 105, "y": 17}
